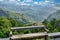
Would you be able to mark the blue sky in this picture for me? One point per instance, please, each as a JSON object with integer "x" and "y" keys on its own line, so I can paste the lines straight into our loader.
{"x": 34, "y": 1}
{"x": 57, "y": 1}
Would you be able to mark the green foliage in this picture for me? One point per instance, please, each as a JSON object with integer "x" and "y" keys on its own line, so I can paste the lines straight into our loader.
{"x": 1, "y": 34}
{"x": 14, "y": 23}
{"x": 13, "y": 19}
{"x": 28, "y": 30}
{"x": 5, "y": 25}
{"x": 53, "y": 25}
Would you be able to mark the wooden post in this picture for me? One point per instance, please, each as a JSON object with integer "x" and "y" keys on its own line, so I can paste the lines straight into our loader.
{"x": 10, "y": 35}
{"x": 46, "y": 37}
{"x": 46, "y": 32}
{"x": 10, "y": 39}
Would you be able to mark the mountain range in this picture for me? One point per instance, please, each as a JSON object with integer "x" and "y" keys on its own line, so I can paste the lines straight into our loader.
{"x": 55, "y": 15}
{"x": 34, "y": 12}
{"x": 16, "y": 16}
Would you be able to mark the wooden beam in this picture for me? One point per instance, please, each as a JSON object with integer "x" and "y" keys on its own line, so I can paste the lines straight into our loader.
{"x": 54, "y": 35}
{"x": 31, "y": 35}
{"x": 29, "y": 27}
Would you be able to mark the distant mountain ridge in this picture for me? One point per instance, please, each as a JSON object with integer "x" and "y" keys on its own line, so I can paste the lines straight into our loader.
{"x": 55, "y": 15}
{"x": 16, "y": 16}
{"x": 2, "y": 13}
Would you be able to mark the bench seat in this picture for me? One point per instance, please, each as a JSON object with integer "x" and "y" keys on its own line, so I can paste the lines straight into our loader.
{"x": 31, "y": 35}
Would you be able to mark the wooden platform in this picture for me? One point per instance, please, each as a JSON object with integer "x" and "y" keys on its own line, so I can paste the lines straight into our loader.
{"x": 31, "y": 35}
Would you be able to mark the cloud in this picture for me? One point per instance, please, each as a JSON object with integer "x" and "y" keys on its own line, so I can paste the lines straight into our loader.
{"x": 1, "y": 0}
{"x": 47, "y": 1}
{"x": 23, "y": 3}
{"x": 11, "y": 0}
{"x": 36, "y": 3}
{"x": 41, "y": 2}
{"x": 18, "y": 0}
{"x": 27, "y": 0}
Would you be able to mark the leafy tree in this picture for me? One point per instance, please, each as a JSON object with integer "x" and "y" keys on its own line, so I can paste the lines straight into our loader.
{"x": 52, "y": 25}
{"x": 5, "y": 25}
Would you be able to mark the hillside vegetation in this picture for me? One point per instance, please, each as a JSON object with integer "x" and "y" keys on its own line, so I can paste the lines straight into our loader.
{"x": 53, "y": 22}
{"x": 12, "y": 19}
{"x": 15, "y": 15}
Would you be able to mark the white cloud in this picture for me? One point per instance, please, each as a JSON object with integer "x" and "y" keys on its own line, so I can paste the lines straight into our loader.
{"x": 12, "y": 0}
{"x": 1, "y": 0}
{"x": 41, "y": 2}
{"x": 35, "y": 2}
{"x": 18, "y": 0}
{"x": 27, "y": 0}
{"x": 47, "y": 1}
{"x": 22, "y": 3}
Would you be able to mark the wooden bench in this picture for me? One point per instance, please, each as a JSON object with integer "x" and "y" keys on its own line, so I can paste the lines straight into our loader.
{"x": 54, "y": 35}
{"x": 31, "y": 35}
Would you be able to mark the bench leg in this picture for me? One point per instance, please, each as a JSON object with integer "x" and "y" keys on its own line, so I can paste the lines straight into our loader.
{"x": 46, "y": 37}
{"x": 10, "y": 39}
